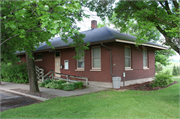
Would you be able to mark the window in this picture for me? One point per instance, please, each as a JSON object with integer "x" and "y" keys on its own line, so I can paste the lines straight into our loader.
{"x": 96, "y": 57}
{"x": 38, "y": 57}
{"x": 66, "y": 64}
{"x": 80, "y": 63}
{"x": 127, "y": 57}
{"x": 57, "y": 54}
{"x": 145, "y": 58}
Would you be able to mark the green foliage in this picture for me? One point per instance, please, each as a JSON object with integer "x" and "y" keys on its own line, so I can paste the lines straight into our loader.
{"x": 162, "y": 56}
{"x": 104, "y": 23}
{"x": 14, "y": 73}
{"x": 60, "y": 84}
{"x": 158, "y": 67}
{"x": 176, "y": 70}
{"x": 69, "y": 86}
{"x": 162, "y": 79}
{"x": 78, "y": 84}
{"x": 28, "y": 24}
{"x": 45, "y": 82}
{"x": 53, "y": 85}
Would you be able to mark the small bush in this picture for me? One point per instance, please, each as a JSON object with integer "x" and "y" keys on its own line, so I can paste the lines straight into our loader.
{"x": 53, "y": 85}
{"x": 60, "y": 84}
{"x": 45, "y": 83}
{"x": 69, "y": 86}
{"x": 176, "y": 70}
{"x": 159, "y": 68}
{"x": 78, "y": 84}
{"x": 14, "y": 73}
{"x": 162, "y": 79}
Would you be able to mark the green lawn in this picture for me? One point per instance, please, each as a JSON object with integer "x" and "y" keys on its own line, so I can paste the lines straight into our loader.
{"x": 106, "y": 104}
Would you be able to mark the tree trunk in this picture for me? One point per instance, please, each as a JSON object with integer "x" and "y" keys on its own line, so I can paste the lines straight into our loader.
{"x": 173, "y": 44}
{"x": 32, "y": 74}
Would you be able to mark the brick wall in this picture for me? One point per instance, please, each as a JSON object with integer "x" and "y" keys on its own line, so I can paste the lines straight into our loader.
{"x": 136, "y": 62}
{"x": 103, "y": 75}
{"x": 48, "y": 63}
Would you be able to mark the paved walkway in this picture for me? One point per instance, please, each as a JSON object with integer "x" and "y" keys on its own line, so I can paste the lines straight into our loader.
{"x": 6, "y": 86}
{"x": 11, "y": 100}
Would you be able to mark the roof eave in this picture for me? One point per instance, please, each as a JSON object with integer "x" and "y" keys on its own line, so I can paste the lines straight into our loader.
{"x": 144, "y": 44}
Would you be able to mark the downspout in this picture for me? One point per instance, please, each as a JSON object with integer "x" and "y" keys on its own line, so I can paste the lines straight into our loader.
{"x": 110, "y": 58}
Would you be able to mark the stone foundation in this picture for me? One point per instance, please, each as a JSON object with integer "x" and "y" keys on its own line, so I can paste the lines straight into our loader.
{"x": 127, "y": 83}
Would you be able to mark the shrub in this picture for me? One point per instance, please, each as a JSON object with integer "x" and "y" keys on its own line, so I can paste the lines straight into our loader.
{"x": 78, "y": 84}
{"x": 14, "y": 73}
{"x": 69, "y": 86}
{"x": 45, "y": 83}
{"x": 178, "y": 67}
{"x": 175, "y": 71}
{"x": 53, "y": 85}
{"x": 159, "y": 68}
{"x": 162, "y": 79}
{"x": 61, "y": 82}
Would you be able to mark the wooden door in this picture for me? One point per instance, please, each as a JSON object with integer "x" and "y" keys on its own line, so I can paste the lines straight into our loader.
{"x": 57, "y": 63}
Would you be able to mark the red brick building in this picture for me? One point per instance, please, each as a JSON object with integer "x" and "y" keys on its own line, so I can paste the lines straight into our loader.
{"x": 109, "y": 55}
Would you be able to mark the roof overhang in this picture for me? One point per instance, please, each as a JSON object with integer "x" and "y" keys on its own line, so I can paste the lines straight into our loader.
{"x": 144, "y": 44}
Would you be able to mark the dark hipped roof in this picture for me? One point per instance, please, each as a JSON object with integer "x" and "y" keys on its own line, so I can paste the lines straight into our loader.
{"x": 92, "y": 36}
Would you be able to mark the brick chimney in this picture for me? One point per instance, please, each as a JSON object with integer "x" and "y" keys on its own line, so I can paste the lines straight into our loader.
{"x": 93, "y": 24}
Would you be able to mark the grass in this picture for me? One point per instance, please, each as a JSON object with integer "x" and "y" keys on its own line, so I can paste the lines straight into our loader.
{"x": 106, "y": 104}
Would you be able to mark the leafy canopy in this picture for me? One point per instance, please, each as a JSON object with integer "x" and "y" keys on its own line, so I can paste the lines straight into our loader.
{"x": 27, "y": 24}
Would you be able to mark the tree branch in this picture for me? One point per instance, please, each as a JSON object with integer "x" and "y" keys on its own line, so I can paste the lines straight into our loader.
{"x": 9, "y": 39}
{"x": 160, "y": 30}
{"x": 173, "y": 25}
{"x": 33, "y": 11}
{"x": 18, "y": 34}
{"x": 176, "y": 5}
{"x": 166, "y": 7}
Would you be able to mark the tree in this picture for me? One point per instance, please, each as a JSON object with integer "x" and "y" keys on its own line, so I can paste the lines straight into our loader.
{"x": 162, "y": 56}
{"x": 162, "y": 16}
{"x": 104, "y": 23}
{"x": 27, "y": 24}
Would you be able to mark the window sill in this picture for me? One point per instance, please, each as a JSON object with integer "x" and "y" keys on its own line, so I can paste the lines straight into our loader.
{"x": 145, "y": 68}
{"x": 128, "y": 69}
{"x": 38, "y": 60}
{"x": 95, "y": 69}
{"x": 79, "y": 69}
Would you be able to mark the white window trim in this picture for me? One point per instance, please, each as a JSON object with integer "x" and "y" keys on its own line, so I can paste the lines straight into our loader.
{"x": 127, "y": 68}
{"x": 80, "y": 69}
{"x": 38, "y": 59}
{"x": 95, "y": 69}
{"x": 145, "y": 67}
{"x": 68, "y": 64}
